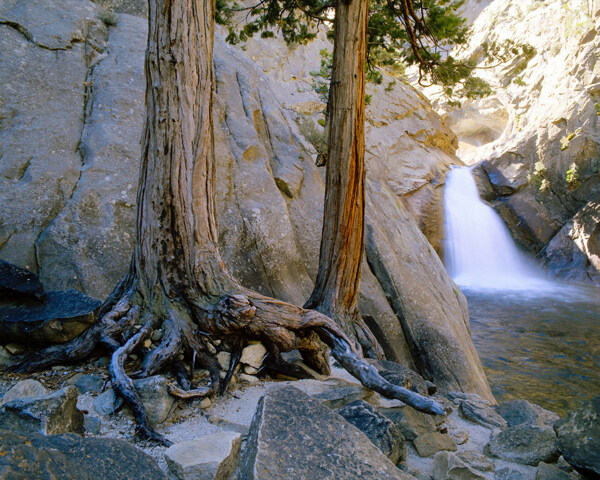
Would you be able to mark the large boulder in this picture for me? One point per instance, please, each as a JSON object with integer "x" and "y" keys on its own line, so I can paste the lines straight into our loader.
{"x": 524, "y": 444}
{"x": 295, "y": 437}
{"x": 70, "y": 457}
{"x": 579, "y": 437}
{"x": 269, "y": 192}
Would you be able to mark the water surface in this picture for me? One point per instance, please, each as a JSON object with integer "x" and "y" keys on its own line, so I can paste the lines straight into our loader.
{"x": 540, "y": 345}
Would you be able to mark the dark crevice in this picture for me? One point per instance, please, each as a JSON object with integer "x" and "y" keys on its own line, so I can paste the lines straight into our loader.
{"x": 23, "y": 31}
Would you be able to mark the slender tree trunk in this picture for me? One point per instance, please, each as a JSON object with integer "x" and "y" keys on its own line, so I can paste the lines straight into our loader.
{"x": 338, "y": 280}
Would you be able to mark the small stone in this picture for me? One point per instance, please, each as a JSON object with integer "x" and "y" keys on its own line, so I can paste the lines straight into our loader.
{"x": 6, "y": 358}
{"x": 250, "y": 370}
{"x": 411, "y": 422}
{"x": 154, "y": 394}
{"x": 103, "y": 362}
{"x": 524, "y": 444}
{"x": 24, "y": 389}
{"x": 157, "y": 335}
{"x": 481, "y": 414}
{"x": 107, "y": 403}
{"x": 224, "y": 358}
{"x": 507, "y": 473}
{"x": 217, "y": 342}
{"x": 253, "y": 355}
{"x": 91, "y": 424}
{"x": 546, "y": 471}
{"x": 251, "y": 379}
{"x": 133, "y": 357}
{"x": 211, "y": 457}
{"x": 15, "y": 348}
{"x": 48, "y": 414}
{"x": 147, "y": 343}
{"x": 382, "y": 432}
{"x": 86, "y": 383}
{"x": 447, "y": 466}
{"x": 476, "y": 460}
{"x": 211, "y": 348}
{"x": 429, "y": 444}
{"x": 205, "y": 403}
{"x": 458, "y": 397}
{"x": 461, "y": 437}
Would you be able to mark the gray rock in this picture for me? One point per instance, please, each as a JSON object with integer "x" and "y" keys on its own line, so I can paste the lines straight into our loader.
{"x": 481, "y": 414}
{"x": 476, "y": 460}
{"x": 382, "y": 432}
{"x": 108, "y": 402}
{"x": 86, "y": 383}
{"x": 295, "y": 437}
{"x": 211, "y": 457}
{"x": 62, "y": 316}
{"x": 411, "y": 422}
{"x": 47, "y": 414}
{"x": 335, "y": 392}
{"x": 24, "y": 389}
{"x": 429, "y": 444}
{"x": 153, "y": 392}
{"x": 579, "y": 437}
{"x": 70, "y": 457}
{"x": 507, "y": 473}
{"x": 19, "y": 282}
{"x": 546, "y": 471}
{"x": 447, "y": 466}
{"x": 458, "y": 397}
{"x": 517, "y": 412}
{"x": 92, "y": 424}
{"x": 6, "y": 358}
{"x": 524, "y": 444}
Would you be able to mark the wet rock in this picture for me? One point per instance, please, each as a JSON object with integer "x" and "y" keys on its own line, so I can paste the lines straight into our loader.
{"x": 212, "y": 457}
{"x": 92, "y": 424}
{"x": 524, "y": 444}
{"x": 481, "y": 414}
{"x": 16, "y": 282}
{"x": 579, "y": 437}
{"x": 295, "y": 437}
{"x": 447, "y": 466}
{"x": 429, "y": 444}
{"x": 546, "y": 471}
{"x": 253, "y": 355}
{"x": 382, "y": 432}
{"x": 47, "y": 414}
{"x": 24, "y": 389}
{"x": 517, "y": 412}
{"x": 86, "y": 383}
{"x": 411, "y": 422}
{"x": 476, "y": 460}
{"x": 62, "y": 316}
{"x": 70, "y": 457}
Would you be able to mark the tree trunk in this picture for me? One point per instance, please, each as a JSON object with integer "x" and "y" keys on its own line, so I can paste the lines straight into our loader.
{"x": 341, "y": 254}
{"x": 177, "y": 280}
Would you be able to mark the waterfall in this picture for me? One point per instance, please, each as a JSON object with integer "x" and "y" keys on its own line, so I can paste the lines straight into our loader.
{"x": 479, "y": 250}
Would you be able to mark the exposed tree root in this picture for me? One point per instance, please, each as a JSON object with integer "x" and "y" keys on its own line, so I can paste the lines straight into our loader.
{"x": 187, "y": 329}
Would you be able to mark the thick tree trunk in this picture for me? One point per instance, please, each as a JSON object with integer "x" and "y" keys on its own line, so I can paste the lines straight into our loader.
{"x": 338, "y": 280}
{"x": 177, "y": 281}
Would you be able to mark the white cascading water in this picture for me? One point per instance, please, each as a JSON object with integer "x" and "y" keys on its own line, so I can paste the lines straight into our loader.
{"x": 480, "y": 252}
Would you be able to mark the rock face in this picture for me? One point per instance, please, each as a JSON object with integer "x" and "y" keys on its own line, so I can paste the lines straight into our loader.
{"x": 70, "y": 457}
{"x": 538, "y": 135}
{"x": 579, "y": 437}
{"x": 269, "y": 192}
{"x": 295, "y": 437}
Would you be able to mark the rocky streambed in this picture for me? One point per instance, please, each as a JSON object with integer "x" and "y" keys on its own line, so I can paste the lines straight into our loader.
{"x": 67, "y": 422}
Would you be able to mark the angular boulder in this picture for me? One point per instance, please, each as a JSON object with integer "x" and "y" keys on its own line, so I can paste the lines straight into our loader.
{"x": 447, "y": 466}
{"x": 70, "y": 457}
{"x": 382, "y": 432}
{"x": 24, "y": 389}
{"x": 49, "y": 414}
{"x": 429, "y": 444}
{"x": 481, "y": 414}
{"x": 579, "y": 437}
{"x": 517, "y": 412}
{"x": 411, "y": 422}
{"x": 295, "y": 437}
{"x": 17, "y": 281}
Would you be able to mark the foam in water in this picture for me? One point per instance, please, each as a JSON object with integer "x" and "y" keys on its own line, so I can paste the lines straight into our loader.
{"x": 480, "y": 252}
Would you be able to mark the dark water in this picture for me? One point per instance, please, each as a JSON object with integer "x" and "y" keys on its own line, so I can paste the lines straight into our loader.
{"x": 540, "y": 345}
